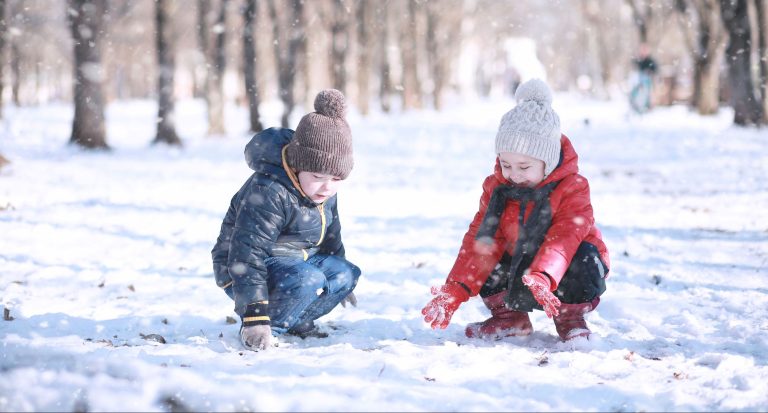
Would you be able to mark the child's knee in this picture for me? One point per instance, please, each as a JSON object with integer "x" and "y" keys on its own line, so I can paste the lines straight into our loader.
{"x": 345, "y": 277}
{"x": 354, "y": 270}
{"x": 314, "y": 280}
{"x": 302, "y": 283}
{"x": 343, "y": 281}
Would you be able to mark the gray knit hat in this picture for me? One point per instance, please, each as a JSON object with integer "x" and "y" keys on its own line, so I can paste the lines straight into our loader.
{"x": 323, "y": 141}
{"x": 531, "y": 128}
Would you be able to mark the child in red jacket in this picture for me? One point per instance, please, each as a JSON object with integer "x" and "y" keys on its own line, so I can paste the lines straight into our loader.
{"x": 533, "y": 244}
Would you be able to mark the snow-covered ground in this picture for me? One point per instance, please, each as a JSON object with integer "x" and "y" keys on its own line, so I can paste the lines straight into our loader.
{"x": 103, "y": 253}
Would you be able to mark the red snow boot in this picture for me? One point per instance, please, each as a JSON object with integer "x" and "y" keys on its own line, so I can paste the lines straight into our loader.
{"x": 570, "y": 322}
{"x": 503, "y": 322}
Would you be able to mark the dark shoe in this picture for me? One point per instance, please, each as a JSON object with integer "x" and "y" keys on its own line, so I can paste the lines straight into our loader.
{"x": 503, "y": 322}
{"x": 311, "y": 333}
{"x": 570, "y": 323}
{"x": 307, "y": 330}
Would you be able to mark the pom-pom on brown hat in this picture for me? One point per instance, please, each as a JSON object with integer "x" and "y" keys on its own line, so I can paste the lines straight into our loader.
{"x": 323, "y": 141}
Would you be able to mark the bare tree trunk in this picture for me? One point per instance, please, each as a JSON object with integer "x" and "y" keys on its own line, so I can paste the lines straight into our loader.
{"x": 363, "y": 57}
{"x": 641, "y": 15}
{"x": 3, "y": 32}
{"x": 249, "y": 65}
{"x": 279, "y": 47}
{"x": 16, "y": 17}
{"x": 296, "y": 45}
{"x": 203, "y": 10}
{"x": 38, "y": 83}
{"x": 695, "y": 34}
{"x": 705, "y": 41}
{"x": 216, "y": 76}
{"x": 762, "y": 30}
{"x": 303, "y": 68}
{"x": 443, "y": 36}
{"x": 435, "y": 67}
{"x": 286, "y": 56}
{"x": 746, "y": 106}
{"x": 410, "y": 81}
{"x": 709, "y": 82}
{"x": 86, "y": 21}
{"x": 166, "y": 65}
{"x": 303, "y": 72}
{"x": 711, "y": 50}
{"x": 340, "y": 44}
{"x": 598, "y": 53}
{"x": 15, "y": 72}
{"x": 385, "y": 77}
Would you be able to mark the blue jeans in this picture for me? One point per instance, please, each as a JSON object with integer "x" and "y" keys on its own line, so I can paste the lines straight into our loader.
{"x": 303, "y": 291}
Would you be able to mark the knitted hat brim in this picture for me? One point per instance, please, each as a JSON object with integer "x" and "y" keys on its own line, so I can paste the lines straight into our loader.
{"x": 304, "y": 159}
{"x": 547, "y": 150}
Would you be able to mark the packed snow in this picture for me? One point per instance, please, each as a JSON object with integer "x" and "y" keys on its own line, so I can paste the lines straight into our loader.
{"x": 106, "y": 276}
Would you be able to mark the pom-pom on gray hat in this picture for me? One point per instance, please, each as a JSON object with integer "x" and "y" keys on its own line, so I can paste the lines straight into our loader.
{"x": 323, "y": 141}
{"x": 532, "y": 127}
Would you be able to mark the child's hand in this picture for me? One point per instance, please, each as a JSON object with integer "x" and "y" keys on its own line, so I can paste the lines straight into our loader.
{"x": 539, "y": 285}
{"x": 447, "y": 299}
{"x": 350, "y": 298}
{"x": 256, "y": 337}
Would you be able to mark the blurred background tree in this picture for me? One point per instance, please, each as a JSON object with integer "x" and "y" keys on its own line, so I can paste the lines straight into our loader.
{"x": 165, "y": 41}
{"x": 392, "y": 55}
{"x": 87, "y": 20}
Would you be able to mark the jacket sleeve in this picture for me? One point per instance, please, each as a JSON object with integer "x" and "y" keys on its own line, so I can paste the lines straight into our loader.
{"x": 220, "y": 251}
{"x": 572, "y": 220}
{"x": 332, "y": 244}
{"x": 258, "y": 222}
{"x": 475, "y": 260}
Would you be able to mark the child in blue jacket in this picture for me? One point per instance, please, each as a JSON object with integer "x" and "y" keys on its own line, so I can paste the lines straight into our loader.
{"x": 279, "y": 254}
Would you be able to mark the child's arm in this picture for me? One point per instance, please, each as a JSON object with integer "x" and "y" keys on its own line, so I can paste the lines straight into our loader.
{"x": 476, "y": 260}
{"x": 258, "y": 223}
{"x": 572, "y": 220}
{"x": 448, "y": 298}
{"x": 472, "y": 267}
{"x": 220, "y": 251}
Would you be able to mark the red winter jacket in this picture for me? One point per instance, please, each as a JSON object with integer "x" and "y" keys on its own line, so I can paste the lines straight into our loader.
{"x": 572, "y": 223}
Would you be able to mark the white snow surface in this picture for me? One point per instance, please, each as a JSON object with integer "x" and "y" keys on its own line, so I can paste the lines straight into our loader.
{"x": 99, "y": 251}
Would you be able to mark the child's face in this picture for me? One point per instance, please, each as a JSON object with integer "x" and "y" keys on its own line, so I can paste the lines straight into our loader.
{"x": 521, "y": 170}
{"x": 319, "y": 187}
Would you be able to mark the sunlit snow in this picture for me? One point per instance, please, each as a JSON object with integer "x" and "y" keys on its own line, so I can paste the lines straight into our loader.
{"x": 102, "y": 254}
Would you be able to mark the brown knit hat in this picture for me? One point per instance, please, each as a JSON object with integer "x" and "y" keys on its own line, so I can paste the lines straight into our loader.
{"x": 323, "y": 141}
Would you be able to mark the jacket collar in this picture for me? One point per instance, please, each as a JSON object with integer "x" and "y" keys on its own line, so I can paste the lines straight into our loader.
{"x": 291, "y": 175}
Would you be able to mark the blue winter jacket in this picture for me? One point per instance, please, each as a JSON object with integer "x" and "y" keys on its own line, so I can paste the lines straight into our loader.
{"x": 270, "y": 216}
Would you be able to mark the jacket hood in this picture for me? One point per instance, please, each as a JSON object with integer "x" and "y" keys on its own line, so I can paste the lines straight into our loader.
{"x": 264, "y": 152}
{"x": 568, "y": 165}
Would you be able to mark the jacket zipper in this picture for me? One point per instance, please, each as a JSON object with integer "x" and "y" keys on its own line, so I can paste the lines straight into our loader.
{"x": 322, "y": 229}
{"x": 322, "y": 222}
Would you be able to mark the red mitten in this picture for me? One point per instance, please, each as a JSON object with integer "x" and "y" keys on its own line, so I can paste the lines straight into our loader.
{"x": 540, "y": 287}
{"x": 447, "y": 299}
